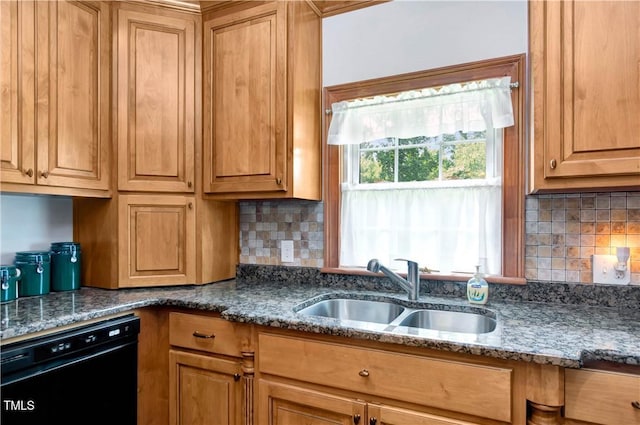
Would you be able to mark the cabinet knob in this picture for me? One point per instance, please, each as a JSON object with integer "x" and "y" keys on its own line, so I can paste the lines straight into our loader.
{"x": 373, "y": 421}
{"x": 356, "y": 419}
{"x": 278, "y": 181}
{"x": 236, "y": 377}
{"x": 44, "y": 174}
{"x": 190, "y": 205}
{"x": 364, "y": 373}
{"x": 29, "y": 172}
{"x": 199, "y": 334}
{"x": 553, "y": 164}
{"x": 636, "y": 404}
{"x": 189, "y": 184}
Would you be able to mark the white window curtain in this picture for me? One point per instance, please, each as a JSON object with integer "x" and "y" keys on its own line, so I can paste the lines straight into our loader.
{"x": 473, "y": 106}
{"x": 449, "y": 228}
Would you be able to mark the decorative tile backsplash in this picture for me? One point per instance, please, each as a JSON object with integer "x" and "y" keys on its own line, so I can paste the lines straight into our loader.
{"x": 265, "y": 224}
{"x": 562, "y": 232}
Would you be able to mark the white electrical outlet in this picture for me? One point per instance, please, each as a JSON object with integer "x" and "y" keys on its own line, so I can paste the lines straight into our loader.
{"x": 286, "y": 251}
{"x": 604, "y": 271}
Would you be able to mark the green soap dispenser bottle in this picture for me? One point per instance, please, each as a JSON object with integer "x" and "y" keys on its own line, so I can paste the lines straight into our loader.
{"x": 477, "y": 289}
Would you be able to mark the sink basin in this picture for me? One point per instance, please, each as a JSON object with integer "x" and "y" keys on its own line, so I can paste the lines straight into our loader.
{"x": 387, "y": 316}
{"x": 359, "y": 310}
{"x": 449, "y": 321}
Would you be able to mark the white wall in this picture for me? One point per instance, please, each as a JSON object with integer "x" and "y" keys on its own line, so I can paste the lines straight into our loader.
{"x": 29, "y": 222}
{"x": 406, "y": 36}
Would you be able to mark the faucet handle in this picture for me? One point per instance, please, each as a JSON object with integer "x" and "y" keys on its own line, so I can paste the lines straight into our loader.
{"x": 409, "y": 262}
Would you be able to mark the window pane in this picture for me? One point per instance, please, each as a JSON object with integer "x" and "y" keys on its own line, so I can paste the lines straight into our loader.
{"x": 417, "y": 164}
{"x": 464, "y": 161}
{"x": 377, "y": 166}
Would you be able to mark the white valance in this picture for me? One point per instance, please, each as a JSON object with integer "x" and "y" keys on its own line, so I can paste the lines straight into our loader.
{"x": 473, "y": 106}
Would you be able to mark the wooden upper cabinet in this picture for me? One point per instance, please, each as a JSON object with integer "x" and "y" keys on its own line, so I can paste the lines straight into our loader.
{"x": 156, "y": 105}
{"x": 261, "y": 102}
{"x": 157, "y": 241}
{"x": 585, "y": 59}
{"x": 244, "y": 92}
{"x": 55, "y": 98}
{"x": 17, "y": 92}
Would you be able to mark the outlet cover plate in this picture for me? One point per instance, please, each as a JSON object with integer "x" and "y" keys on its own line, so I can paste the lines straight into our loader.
{"x": 604, "y": 271}
{"x": 286, "y": 251}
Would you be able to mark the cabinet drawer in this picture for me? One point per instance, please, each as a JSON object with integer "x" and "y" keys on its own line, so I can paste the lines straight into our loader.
{"x": 468, "y": 388}
{"x": 602, "y": 397}
{"x": 209, "y": 334}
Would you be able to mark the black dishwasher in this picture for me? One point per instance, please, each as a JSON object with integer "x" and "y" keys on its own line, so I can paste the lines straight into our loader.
{"x": 85, "y": 375}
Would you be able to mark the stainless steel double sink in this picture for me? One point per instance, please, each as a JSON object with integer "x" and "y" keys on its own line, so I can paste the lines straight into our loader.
{"x": 367, "y": 313}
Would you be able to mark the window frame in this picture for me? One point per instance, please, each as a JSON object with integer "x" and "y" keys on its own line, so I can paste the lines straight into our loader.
{"x": 513, "y": 150}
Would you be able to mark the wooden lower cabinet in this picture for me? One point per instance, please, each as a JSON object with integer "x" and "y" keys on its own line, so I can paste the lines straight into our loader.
{"x": 204, "y": 390}
{"x": 213, "y": 385}
{"x": 285, "y": 404}
{"x": 602, "y": 397}
{"x": 389, "y": 415}
{"x": 340, "y": 382}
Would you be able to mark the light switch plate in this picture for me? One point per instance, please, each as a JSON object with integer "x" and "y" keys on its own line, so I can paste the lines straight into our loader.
{"x": 286, "y": 251}
{"x": 604, "y": 271}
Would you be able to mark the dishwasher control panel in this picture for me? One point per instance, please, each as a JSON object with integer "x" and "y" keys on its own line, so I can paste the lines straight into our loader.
{"x": 65, "y": 344}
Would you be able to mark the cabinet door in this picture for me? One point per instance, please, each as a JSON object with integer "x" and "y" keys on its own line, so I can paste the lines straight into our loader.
{"x": 17, "y": 92}
{"x": 156, "y": 102}
{"x": 157, "y": 240}
{"x": 602, "y": 397}
{"x": 586, "y": 79}
{"x": 73, "y": 94}
{"x": 282, "y": 404}
{"x": 387, "y": 415}
{"x": 244, "y": 101}
{"x": 204, "y": 390}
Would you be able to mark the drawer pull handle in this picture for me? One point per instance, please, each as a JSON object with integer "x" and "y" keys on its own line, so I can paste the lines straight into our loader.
{"x": 636, "y": 404}
{"x": 236, "y": 377}
{"x": 203, "y": 336}
{"x": 364, "y": 373}
{"x": 356, "y": 419}
{"x": 373, "y": 421}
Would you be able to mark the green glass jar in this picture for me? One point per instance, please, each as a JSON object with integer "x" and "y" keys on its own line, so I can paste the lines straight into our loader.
{"x": 65, "y": 266}
{"x": 35, "y": 268}
{"x": 9, "y": 277}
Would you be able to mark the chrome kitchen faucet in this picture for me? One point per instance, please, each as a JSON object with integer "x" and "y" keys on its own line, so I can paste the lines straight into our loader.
{"x": 411, "y": 285}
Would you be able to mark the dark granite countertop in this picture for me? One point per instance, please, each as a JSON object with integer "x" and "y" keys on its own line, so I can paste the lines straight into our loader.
{"x": 546, "y": 333}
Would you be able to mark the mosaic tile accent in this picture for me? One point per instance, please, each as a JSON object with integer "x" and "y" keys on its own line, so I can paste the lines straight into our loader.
{"x": 563, "y": 231}
{"x": 265, "y": 224}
